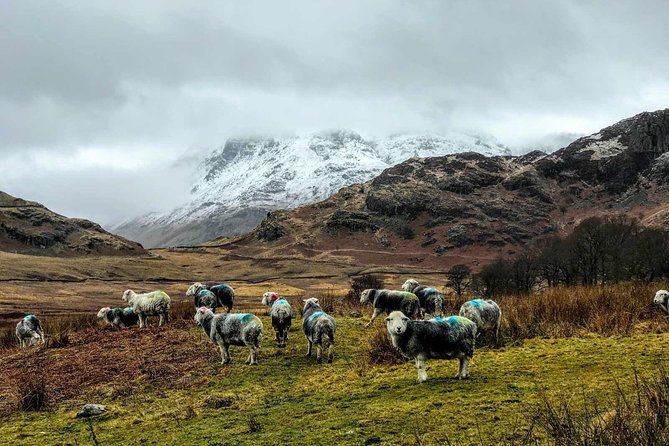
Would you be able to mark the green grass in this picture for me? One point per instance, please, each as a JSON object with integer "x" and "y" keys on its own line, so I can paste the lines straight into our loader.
{"x": 289, "y": 399}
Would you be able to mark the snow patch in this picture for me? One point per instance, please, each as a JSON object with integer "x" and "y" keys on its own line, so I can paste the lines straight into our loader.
{"x": 604, "y": 149}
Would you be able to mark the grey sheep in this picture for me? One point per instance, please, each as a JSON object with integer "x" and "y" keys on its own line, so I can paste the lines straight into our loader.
{"x": 662, "y": 299}
{"x": 29, "y": 331}
{"x": 119, "y": 317}
{"x": 155, "y": 303}
{"x": 386, "y": 301}
{"x": 449, "y": 338}
{"x": 281, "y": 314}
{"x": 485, "y": 314}
{"x": 431, "y": 300}
{"x": 319, "y": 328}
{"x": 225, "y": 329}
{"x": 224, "y": 296}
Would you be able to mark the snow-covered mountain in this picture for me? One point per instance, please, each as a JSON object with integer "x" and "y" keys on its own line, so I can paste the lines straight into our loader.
{"x": 239, "y": 183}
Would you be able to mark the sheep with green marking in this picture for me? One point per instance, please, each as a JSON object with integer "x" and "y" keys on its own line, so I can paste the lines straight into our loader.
{"x": 387, "y": 301}
{"x": 226, "y": 329}
{"x": 431, "y": 300}
{"x": 485, "y": 314}
{"x": 450, "y": 338}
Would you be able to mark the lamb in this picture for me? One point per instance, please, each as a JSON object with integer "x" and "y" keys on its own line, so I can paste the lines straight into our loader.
{"x": 319, "y": 328}
{"x": 155, "y": 303}
{"x": 225, "y": 295}
{"x": 662, "y": 299}
{"x": 438, "y": 338}
{"x": 431, "y": 300}
{"x": 485, "y": 314}
{"x": 385, "y": 301}
{"x": 281, "y": 314}
{"x": 119, "y": 317}
{"x": 29, "y": 331}
{"x": 227, "y": 329}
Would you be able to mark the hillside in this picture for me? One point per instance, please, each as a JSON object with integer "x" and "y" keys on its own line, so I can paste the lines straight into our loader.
{"x": 469, "y": 207}
{"x": 237, "y": 185}
{"x": 27, "y": 227}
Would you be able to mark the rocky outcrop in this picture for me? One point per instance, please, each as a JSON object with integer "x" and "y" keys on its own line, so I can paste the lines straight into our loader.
{"x": 27, "y": 227}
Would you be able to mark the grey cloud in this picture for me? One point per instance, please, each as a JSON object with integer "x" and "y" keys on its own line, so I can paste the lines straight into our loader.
{"x": 175, "y": 74}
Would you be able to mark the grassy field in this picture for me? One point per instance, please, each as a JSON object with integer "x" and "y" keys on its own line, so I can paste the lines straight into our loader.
{"x": 166, "y": 385}
{"x": 292, "y": 400}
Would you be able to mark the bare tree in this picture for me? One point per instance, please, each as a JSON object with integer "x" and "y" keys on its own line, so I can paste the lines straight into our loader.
{"x": 458, "y": 278}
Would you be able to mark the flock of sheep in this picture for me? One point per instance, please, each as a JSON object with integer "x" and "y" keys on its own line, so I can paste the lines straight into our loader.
{"x": 411, "y": 332}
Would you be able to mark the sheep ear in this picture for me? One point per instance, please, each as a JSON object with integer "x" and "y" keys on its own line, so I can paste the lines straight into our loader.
{"x": 305, "y": 300}
{"x": 388, "y": 319}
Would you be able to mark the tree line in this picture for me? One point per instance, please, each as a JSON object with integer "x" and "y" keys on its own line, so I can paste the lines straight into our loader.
{"x": 599, "y": 250}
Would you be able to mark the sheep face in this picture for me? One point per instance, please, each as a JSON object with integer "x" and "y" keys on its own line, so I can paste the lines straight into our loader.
{"x": 194, "y": 289}
{"x": 200, "y": 314}
{"x": 103, "y": 312}
{"x": 410, "y": 285}
{"x": 397, "y": 323}
{"x": 310, "y": 303}
{"x": 127, "y": 295}
{"x": 269, "y": 298}
{"x": 662, "y": 299}
{"x": 364, "y": 296}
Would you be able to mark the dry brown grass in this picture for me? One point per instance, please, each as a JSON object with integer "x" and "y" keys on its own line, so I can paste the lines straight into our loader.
{"x": 606, "y": 310}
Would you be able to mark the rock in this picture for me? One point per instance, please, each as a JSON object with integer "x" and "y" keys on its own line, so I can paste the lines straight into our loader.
{"x": 373, "y": 440}
{"x": 90, "y": 410}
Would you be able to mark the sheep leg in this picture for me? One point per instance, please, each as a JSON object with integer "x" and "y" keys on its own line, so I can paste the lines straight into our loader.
{"x": 142, "y": 320}
{"x": 319, "y": 353}
{"x": 309, "y": 348}
{"x": 376, "y": 314}
{"x": 463, "y": 369}
{"x": 254, "y": 355}
{"x": 226, "y": 354}
{"x": 278, "y": 338}
{"x": 285, "y": 338}
{"x": 420, "y": 367}
{"x": 497, "y": 334}
{"x": 162, "y": 319}
{"x": 330, "y": 353}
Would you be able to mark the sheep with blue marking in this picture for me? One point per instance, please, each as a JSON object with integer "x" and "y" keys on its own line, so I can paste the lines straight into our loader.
{"x": 431, "y": 300}
{"x": 386, "y": 301}
{"x": 662, "y": 299}
{"x": 281, "y": 314}
{"x": 485, "y": 314}
{"x": 319, "y": 328}
{"x": 155, "y": 303}
{"x": 450, "y": 338}
{"x": 29, "y": 331}
{"x": 226, "y": 329}
{"x": 119, "y": 317}
{"x": 221, "y": 295}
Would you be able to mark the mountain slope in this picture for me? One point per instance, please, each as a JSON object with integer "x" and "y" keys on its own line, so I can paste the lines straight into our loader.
{"x": 470, "y": 207}
{"x": 244, "y": 180}
{"x": 27, "y": 227}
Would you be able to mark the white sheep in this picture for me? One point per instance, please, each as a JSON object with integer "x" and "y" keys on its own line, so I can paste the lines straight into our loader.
{"x": 155, "y": 303}
{"x": 662, "y": 299}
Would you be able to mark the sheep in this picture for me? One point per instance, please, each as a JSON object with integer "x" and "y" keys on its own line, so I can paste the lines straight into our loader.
{"x": 281, "y": 314}
{"x": 319, "y": 328}
{"x": 438, "y": 338}
{"x": 485, "y": 314}
{"x": 385, "y": 301}
{"x": 431, "y": 300}
{"x": 662, "y": 299}
{"x": 29, "y": 331}
{"x": 155, "y": 303}
{"x": 119, "y": 317}
{"x": 227, "y": 329}
{"x": 225, "y": 295}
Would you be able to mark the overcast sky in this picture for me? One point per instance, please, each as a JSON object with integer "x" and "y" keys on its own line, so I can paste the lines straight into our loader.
{"x": 100, "y": 99}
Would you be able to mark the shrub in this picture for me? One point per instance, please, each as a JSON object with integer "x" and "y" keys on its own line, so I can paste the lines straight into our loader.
{"x": 31, "y": 391}
{"x": 361, "y": 283}
{"x": 380, "y": 349}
